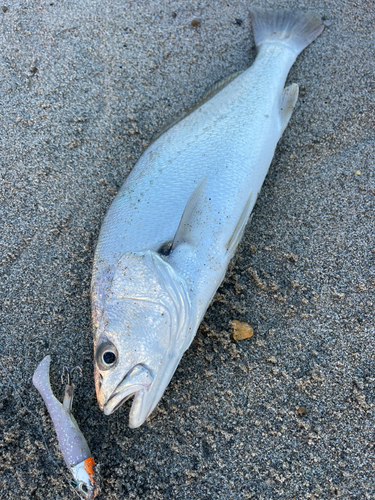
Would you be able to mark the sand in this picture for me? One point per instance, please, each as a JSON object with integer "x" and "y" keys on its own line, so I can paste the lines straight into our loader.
{"x": 286, "y": 414}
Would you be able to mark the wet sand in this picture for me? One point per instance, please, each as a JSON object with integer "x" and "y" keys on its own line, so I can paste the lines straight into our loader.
{"x": 287, "y": 414}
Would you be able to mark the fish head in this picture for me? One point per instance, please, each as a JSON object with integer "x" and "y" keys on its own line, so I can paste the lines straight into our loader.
{"x": 143, "y": 331}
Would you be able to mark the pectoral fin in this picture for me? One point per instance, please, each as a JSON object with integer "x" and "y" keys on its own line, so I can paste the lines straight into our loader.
{"x": 288, "y": 100}
{"x": 184, "y": 230}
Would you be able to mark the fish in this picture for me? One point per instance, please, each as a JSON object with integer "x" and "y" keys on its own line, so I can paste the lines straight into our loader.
{"x": 171, "y": 231}
{"x": 72, "y": 443}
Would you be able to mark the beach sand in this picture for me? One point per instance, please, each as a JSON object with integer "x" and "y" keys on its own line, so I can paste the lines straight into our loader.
{"x": 286, "y": 414}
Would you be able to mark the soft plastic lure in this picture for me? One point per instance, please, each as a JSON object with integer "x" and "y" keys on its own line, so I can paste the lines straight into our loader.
{"x": 72, "y": 442}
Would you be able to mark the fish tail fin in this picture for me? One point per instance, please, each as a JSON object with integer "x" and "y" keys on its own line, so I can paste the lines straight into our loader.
{"x": 293, "y": 29}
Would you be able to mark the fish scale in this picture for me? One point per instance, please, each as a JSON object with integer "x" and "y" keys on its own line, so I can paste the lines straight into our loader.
{"x": 191, "y": 193}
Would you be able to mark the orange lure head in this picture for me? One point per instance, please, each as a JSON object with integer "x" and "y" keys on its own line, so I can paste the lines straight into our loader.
{"x": 87, "y": 478}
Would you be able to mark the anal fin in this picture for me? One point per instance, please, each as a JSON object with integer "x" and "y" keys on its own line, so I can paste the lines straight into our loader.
{"x": 288, "y": 100}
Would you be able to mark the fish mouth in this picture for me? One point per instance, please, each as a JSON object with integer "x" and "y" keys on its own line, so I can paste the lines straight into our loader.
{"x": 136, "y": 383}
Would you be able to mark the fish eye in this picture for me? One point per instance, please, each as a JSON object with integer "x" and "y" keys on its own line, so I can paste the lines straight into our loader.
{"x": 106, "y": 356}
{"x": 109, "y": 357}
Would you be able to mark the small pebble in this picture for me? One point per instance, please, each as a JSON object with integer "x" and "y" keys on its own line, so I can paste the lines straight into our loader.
{"x": 358, "y": 172}
{"x": 239, "y": 22}
{"x": 5, "y": 8}
{"x": 241, "y": 330}
{"x": 196, "y": 21}
{"x": 302, "y": 410}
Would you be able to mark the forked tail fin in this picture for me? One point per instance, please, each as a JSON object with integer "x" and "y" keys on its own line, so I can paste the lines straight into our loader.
{"x": 293, "y": 29}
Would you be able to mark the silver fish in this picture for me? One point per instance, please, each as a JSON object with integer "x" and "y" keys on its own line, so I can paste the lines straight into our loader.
{"x": 172, "y": 229}
{"x": 72, "y": 442}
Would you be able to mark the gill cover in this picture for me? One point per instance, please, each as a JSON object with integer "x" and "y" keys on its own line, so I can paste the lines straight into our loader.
{"x": 143, "y": 330}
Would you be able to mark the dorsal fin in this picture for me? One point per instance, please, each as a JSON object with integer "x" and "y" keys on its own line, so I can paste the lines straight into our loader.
{"x": 183, "y": 233}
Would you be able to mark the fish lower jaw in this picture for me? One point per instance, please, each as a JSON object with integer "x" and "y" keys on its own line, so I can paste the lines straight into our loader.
{"x": 111, "y": 407}
{"x": 119, "y": 399}
{"x": 135, "y": 383}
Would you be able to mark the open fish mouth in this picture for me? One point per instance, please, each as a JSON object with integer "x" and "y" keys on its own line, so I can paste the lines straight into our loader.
{"x": 135, "y": 383}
